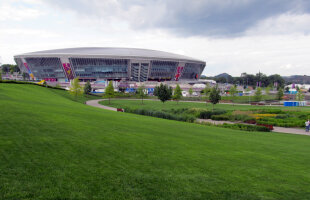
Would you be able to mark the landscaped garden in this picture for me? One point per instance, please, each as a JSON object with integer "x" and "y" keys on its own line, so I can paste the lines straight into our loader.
{"x": 52, "y": 146}
{"x": 189, "y": 111}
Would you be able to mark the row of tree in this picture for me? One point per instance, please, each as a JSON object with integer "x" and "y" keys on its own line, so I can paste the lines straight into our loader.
{"x": 164, "y": 93}
{"x": 76, "y": 89}
{"x": 258, "y": 95}
{"x": 260, "y": 79}
{"x": 8, "y": 68}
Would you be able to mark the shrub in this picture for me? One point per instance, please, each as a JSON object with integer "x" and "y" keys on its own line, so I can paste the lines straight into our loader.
{"x": 245, "y": 127}
{"x": 287, "y": 122}
{"x": 271, "y": 111}
{"x": 303, "y": 116}
{"x": 206, "y": 114}
{"x": 161, "y": 114}
{"x": 282, "y": 116}
{"x": 242, "y": 127}
{"x": 270, "y": 127}
{"x": 252, "y": 121}
{"x": 195, "y": 111}
{"x": 242, "y": 118}
{"x": 177, "y": 111}
{"x": 220, "y": 117}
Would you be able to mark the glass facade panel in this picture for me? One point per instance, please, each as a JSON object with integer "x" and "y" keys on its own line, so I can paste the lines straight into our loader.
{"x": 192, "y": 71}
{"x": 100, "y": 68}
{"x": 43, "y": 68}
{"x": 162, "y": 69}
{"x": 20, "y": 64}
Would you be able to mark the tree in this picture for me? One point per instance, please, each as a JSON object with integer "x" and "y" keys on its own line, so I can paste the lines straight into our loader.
{"x": 215, "y": 96}
{"x": 163, "y": 93}
{"x": 280, "y": 94}
{"x": 206, "y": 92}
{"x": 0, "y": 76}
{"x": 170, "y": 91}
{"x": 277, "y": 80}
{"x": 87, "y": 88}
{"x": 267, "y": 90}
{"x": 155, "y": 93}
{"x": 141, "y": 92}
{"x": 233, "y": 91}
{"x": 25, "y": 75}
{"x": 9, "y": 68}
{"x": 300, "y": 96}
{"x": 109, "y": 92}
{"x": 190, "y": 92}
{"x": 258, "y": 94}
{"x": 177, "y": 93}
{"x": 76, "y": 89}
{"x": 5, "y": 68}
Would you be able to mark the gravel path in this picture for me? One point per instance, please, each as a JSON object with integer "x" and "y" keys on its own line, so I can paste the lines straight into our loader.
{"x": 298, "y": 131}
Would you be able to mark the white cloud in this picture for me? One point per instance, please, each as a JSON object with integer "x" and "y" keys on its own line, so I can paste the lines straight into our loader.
{"x": 275, "y": 45}
{"x": 9, "y": 12}
{"x": 284, "y": 24}
{"x": 37, "y": 33}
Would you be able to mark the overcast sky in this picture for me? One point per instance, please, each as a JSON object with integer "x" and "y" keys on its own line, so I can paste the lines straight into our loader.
{"x": 232, "y": 36}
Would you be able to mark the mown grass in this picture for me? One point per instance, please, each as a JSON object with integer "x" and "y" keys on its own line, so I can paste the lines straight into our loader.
{"x": 54, "y": 148}
{"x": 247, "y": 99}
{"x": 158, "y": 105}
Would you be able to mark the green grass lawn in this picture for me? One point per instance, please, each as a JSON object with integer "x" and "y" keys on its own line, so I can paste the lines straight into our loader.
{"x": 246, "y": 99}
{"x": 158, "y": 105}
{"x": 54, "y": 148}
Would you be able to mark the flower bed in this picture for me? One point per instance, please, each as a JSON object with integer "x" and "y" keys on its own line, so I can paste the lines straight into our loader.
{"x": 270, "y": 127}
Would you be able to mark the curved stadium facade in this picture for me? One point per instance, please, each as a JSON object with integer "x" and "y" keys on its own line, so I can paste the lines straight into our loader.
{"x": 97, "y": 64}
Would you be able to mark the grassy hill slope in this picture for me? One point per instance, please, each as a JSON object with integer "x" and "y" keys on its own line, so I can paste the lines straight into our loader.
{"x": 54, "y": 148}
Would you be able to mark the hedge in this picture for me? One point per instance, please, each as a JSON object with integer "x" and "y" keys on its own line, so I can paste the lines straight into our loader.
{"x": 161, "y": 114}
{"x": 207, "y": 114}
{"x": 220, "y": 117}
{"x": 245, "y": 127}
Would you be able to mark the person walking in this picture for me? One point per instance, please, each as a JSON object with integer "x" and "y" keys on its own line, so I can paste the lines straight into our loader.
{"x": 307, "y": 123}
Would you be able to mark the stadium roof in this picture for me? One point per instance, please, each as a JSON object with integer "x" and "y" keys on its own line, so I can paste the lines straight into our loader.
{"x": 111, "y": 51}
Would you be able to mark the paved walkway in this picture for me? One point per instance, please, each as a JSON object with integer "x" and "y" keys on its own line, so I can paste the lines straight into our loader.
{"x": 298, "y": 131}
{"x": 96, "y": 103}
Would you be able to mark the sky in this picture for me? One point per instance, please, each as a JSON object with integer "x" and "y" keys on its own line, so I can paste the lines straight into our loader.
{"x": 232, "y": 36}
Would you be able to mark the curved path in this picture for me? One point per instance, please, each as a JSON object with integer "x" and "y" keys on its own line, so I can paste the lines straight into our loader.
{"x": 298, "y": 131}
{"x": 95, "y": 103}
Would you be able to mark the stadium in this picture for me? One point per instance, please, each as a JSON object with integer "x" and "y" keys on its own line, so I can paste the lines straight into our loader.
{"x": 97, "y": 63}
